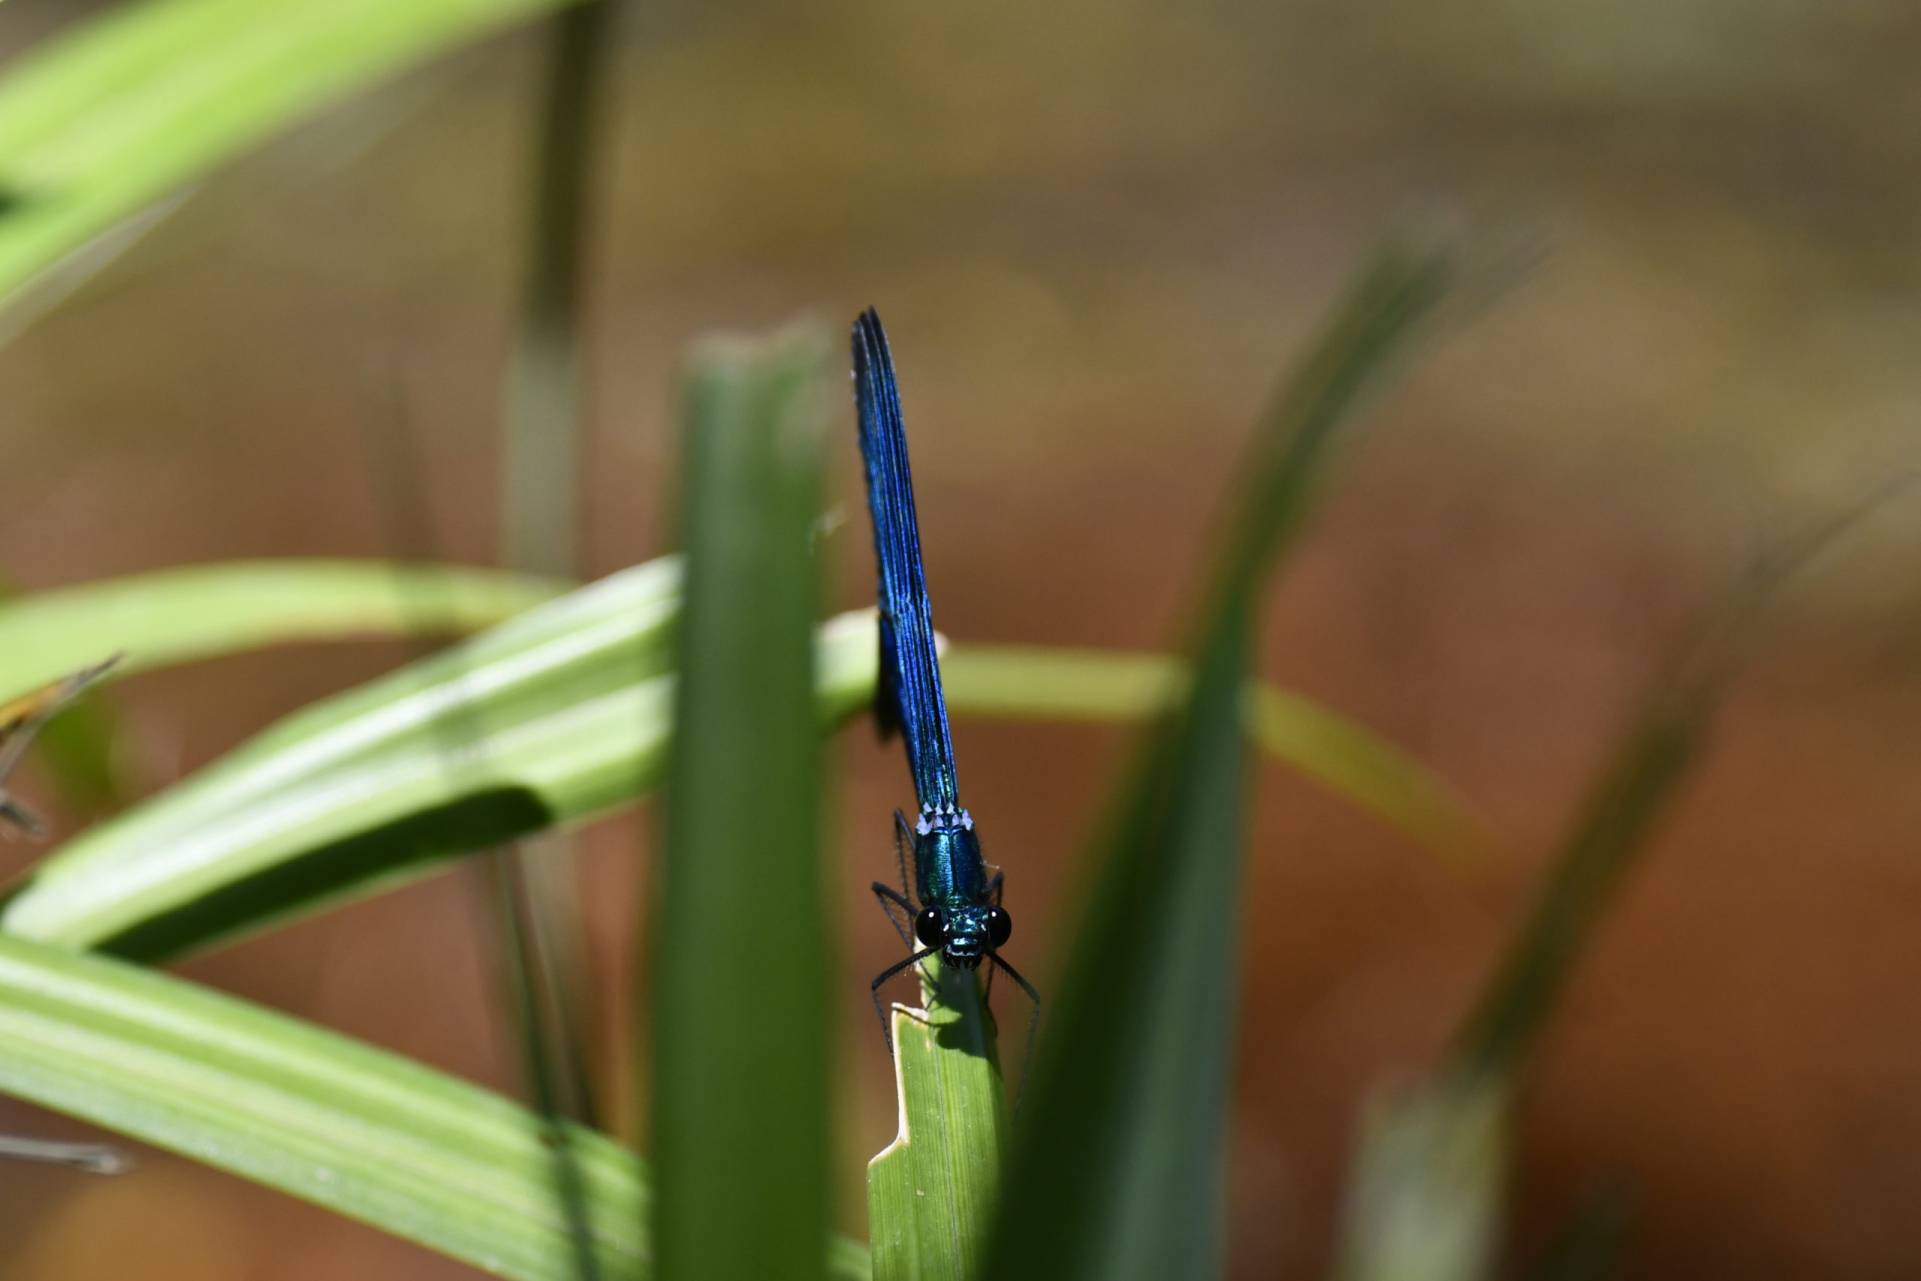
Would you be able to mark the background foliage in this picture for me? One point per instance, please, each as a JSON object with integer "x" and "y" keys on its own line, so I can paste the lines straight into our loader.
{"x": 1099, "y": 263}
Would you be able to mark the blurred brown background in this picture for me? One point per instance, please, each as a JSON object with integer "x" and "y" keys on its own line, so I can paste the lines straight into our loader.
{"x": 1097, "y": 231}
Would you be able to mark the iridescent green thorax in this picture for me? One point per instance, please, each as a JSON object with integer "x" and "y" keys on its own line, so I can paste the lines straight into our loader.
{"x": 948, "y": 866}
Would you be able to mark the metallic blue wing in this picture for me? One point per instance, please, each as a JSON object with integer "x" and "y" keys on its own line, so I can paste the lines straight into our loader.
{"x": 909, "y": 697}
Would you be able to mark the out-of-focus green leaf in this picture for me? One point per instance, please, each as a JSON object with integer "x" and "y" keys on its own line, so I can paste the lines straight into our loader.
{"x": 610, "y": 636}
{"x": 1620, "y": 814}
{"x": 266, "y": 803}
{"x": 24, "y": 714}
{"x": 931, "y": 1192}
{"x": 1425, "y": 1194}
{"x": 1631, "y": 794}
{"x": 1118, "y": 1168}
{"x": 77, "y": 750}
{"x": 355, "y": 1129}
{"x": 537, "y": 884}
{"x": 179, "y": 615}
{"x": 207, "y": 611}
{"x": 1029, "y": 682}
{"x": 551, "y": 718}
{"x": 138, "y": 100}
{"x": 742, "y": 998}
{"x": 1412, "y": 1177}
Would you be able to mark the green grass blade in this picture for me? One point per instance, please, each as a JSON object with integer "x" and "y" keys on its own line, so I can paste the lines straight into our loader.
{"x": 127, "y": 106}
{"x": 1632, "y": 793}
{"x": 1414, "y": 1175}
{"x": 1118, "y": 1169}
{"x": 931, "y": 1192}
{"x": 208, "y": 611}
{"x": 330, "y": 1120}
{"x": 1117, "y": 1173}
{"x": 1620, "y": 814}
{"x": 1428, "y": 1184}
{"x": 610, "y": 636}
{"x": 1028, "y": 682}
{"x": 542, "y": 430}
{"x": 550, "y": 719}
{"x": 1426, "y": 1190}
{"x": 173, "y": 616}
{"x": 317, "y": 778}
{"x": 75, "y": 748}
{"x": 742, "y": 1001}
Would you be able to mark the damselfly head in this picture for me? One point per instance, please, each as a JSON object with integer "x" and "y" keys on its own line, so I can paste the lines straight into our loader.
{"x": 965, "y": 933}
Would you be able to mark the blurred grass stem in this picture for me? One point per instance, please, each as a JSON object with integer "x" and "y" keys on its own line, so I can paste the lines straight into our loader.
{"x": 535, "y": 881}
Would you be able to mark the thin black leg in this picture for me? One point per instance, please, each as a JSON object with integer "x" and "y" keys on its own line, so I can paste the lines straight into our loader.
{"x": 880, "y": 1011}
{"x": 1033, "y": 1020}
{"x": 903, "y": 841}
{"x": 994, "y": 895}
{"x": 889, "y": 900}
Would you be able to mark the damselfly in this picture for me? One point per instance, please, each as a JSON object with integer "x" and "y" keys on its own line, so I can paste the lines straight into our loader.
{"x": 959, "y": 914}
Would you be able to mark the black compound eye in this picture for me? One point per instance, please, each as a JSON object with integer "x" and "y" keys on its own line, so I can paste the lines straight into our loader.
{"x": 930, "y": 927}
{"x": 1000, "y": 926}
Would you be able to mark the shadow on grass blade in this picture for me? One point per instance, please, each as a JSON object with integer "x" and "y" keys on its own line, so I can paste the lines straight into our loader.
{"x": 571, "y": 703}
{"x": 931, "y": 1192}
{"x": 742, "y": 1004}
{"x": 1118, "y": 1162}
